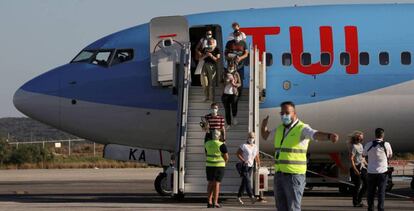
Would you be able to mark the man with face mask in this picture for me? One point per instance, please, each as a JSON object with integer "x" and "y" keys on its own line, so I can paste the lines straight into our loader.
{"x": 291, "y": 140}
{"x": 207, "y": 51}
{"x": 215, "y": 122}
{"x": 236, "y": 27}
{"x": 216, "y": 159}
{"x": 237, "y": 52}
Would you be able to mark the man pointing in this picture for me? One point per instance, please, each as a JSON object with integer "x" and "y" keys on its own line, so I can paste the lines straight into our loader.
{"x": 291, "y": 140}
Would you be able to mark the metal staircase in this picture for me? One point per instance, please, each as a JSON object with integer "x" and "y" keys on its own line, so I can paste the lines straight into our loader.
{"x": 189, "y": 171}
{"x": 195, "y": 176}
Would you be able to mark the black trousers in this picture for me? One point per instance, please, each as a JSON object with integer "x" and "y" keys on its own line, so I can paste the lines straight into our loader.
{"x": 360, "y": 185}
{"x": 246, "y": 183}
{"x": 376, "y": 182}
{"x": 230, "y": 106}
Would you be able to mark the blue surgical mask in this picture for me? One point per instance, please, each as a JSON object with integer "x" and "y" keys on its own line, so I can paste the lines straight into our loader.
{"x": 286, "y": 119}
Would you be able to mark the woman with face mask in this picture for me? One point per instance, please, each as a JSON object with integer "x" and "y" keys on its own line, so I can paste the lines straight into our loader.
{"x": 358, "y": 169}
{"x": 247, "y": 154}
{"x": 230, "y": 94}
{"x": 208, "y": 55}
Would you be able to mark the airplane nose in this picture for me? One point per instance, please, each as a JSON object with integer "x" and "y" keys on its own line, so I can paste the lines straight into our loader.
{"x": 39, "y": 100}
{"x": 20, "y": 101}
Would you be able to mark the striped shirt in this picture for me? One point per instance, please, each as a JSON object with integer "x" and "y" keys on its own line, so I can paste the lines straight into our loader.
{"x": 215, "y": 122}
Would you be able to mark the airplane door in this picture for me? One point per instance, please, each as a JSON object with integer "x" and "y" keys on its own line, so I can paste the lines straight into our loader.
{"x": 167, "y": 37}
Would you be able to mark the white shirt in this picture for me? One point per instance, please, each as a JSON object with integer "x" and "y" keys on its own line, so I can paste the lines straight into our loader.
{"x": 249, "y": 152}
{"x": 228, "y": 88}
{"x": 377, "y": 159}
{"x": 356, "y": 150}
{"x": 231, "y": 36}
{"x": 307, "y": 133}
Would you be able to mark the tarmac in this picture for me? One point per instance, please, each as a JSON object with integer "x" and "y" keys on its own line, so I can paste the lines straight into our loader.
{"x": 133, "y": 189}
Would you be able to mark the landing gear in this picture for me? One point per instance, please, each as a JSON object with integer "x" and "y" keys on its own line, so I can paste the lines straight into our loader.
{"x": 161, "y": 184}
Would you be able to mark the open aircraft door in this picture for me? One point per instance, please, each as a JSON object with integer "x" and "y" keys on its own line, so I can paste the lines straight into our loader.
{"x": 167, "y": 37}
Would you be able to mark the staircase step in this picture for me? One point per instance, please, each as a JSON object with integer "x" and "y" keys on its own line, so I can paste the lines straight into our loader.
{"x": 195, "y": 127}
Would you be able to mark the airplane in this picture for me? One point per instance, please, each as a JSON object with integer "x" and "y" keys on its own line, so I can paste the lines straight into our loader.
{"x": 346, "y": 67}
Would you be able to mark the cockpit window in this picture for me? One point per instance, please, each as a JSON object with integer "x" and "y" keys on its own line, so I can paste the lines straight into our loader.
{"x": 122, "y": 55}
{"x": 84, "y": 56}
{"x": 102, "y": 58}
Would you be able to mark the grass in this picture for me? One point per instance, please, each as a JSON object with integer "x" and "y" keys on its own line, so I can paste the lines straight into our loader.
{"x": 76, "y": 161}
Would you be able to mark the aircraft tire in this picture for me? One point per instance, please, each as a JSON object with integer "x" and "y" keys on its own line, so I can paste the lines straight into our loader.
{"x": 160, "y": 184}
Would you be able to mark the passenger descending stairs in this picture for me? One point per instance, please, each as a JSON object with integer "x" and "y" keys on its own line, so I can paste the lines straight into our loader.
{"x": 195, "y": 175}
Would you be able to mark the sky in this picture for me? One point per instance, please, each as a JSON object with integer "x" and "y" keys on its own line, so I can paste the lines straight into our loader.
{"x": 38, "y": 35}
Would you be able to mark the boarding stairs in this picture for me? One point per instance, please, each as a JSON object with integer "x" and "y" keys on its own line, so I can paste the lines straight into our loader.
{"x": 189, "y": 172}
{"x": 195, "y": 173}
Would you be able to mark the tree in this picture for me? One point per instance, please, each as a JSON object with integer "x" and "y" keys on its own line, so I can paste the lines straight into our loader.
{"x": 4, "y": 151}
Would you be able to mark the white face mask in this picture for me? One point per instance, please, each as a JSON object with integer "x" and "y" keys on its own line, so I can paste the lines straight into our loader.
{"x": 209, "y": 36}
{"x": 214, "y": 111}
{"x": 250, "y": 141}
{"x": 238, "y": 38}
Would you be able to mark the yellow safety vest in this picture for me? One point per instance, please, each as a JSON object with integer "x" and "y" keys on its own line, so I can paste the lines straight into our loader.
{"x": 214, "y": 155}
{"x": 290, "y": 155}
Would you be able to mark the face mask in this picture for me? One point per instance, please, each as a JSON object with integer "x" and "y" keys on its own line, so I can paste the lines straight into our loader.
{"x": 250, "y": 140}
{"x": 238, "y": 38}
{"x": 286, "y": 119}
{"x": 231, "y": 69}
{"x": 214, "y": 111}
{"x": 209, "y": 36}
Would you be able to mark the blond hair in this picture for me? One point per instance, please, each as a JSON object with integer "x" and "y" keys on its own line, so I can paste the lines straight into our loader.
{"x": 354, "y": 135}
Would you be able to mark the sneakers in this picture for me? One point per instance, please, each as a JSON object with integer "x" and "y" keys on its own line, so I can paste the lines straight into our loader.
{"x": 217, "y": 206}
{"x": 235, "y": 122}
{"x": 261, "y": 200}
{"x": 210, "y": 206}
{"x": 240, "y": 201}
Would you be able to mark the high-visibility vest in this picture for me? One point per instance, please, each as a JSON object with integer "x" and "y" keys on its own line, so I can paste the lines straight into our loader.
{"x": 214, "y": 156}
{"x": 290, "y": 155}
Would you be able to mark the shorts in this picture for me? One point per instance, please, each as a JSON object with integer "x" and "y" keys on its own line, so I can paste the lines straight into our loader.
{"x": 214, "y": 173}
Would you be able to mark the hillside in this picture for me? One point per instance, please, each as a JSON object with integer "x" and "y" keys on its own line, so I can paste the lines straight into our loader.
{"x": 26, "y": 129}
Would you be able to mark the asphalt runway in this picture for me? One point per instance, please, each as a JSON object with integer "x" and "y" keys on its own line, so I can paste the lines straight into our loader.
{"x": 132, "y": 189}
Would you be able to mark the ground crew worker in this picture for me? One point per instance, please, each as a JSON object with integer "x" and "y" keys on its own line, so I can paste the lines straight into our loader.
{"x": 216, "y": 158}
{"x": 378, "y": 153}
{"x": 291, "y": 140}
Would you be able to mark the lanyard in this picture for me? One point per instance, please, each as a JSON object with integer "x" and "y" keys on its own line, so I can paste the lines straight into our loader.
{"x": 285, "y": 135}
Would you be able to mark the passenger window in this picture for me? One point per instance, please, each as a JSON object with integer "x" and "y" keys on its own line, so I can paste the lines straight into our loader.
{"x": 286, "y": 59}
{"x": 344, "y": 58}
{"x": 306, "y": 59}
{"x": 123, "y": 55}
{"x": 325, "y": 59}
{"x": 364, "y": 58}
{"x": 102, "y": 58}
{"x": 406, "y": 58}
{"x": 384, "y": 58}
{"x": 84, "y": 56}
